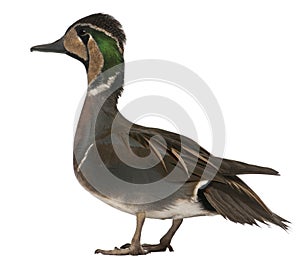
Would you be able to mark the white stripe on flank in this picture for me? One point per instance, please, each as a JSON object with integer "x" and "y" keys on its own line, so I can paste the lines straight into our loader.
{"x": 84, "y": 157}
{"x": 201, "y": 184}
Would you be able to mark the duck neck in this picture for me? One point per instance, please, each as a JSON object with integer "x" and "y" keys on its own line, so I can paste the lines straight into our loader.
{"x": 106, "y": 89}
{"x": 100, "y": 108}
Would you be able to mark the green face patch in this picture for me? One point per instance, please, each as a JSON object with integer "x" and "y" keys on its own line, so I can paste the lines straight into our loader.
{"x": 108, "y": 47}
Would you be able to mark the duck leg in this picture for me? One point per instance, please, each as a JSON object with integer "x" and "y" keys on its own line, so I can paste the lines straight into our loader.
{"x": 135, "y": 247}
{"x": 165, "y": 241}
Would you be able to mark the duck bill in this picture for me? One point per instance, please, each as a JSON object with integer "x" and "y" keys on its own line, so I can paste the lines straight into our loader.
{"x": 55, "y": 47}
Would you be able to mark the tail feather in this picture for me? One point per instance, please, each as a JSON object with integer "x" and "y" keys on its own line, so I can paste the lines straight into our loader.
{"x": 237, "y": 202}
{"x": 232, "y": 167}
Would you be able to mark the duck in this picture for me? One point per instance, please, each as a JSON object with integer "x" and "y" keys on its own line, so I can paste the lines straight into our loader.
{"x": 143, "y": 171}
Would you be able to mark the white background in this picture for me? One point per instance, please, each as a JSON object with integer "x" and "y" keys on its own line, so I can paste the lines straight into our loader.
{"x": 249, "y": 54}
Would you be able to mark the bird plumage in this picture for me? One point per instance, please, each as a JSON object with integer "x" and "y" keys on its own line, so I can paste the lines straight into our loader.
{"x": 106, "y": 23}
{"x": 205, "y": 184}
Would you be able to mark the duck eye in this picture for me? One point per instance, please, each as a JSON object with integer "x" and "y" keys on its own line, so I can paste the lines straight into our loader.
{"x": 82, "y": 32}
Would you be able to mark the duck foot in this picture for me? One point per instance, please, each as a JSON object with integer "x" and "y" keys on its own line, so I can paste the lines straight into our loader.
{"x": 135, "y": 248}
{"x": 130, "y": 250}
{"x": 153, "y": 248}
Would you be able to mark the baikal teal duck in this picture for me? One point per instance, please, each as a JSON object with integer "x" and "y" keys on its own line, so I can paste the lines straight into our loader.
{"x": 105, "y": 142}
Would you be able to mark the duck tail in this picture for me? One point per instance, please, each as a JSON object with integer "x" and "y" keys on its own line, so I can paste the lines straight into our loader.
{"x": 235, "y": 201}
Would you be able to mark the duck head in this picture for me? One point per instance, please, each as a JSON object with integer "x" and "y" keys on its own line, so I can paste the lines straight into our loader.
{"x": 96, "y": 40}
